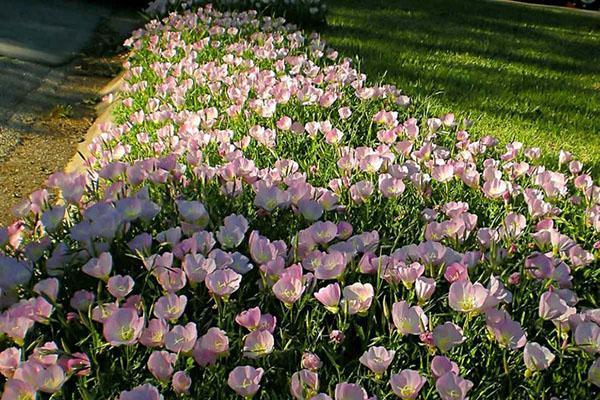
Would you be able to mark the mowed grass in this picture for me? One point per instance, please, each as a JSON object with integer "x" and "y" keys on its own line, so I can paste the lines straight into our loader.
{"x": 519, "y": 72}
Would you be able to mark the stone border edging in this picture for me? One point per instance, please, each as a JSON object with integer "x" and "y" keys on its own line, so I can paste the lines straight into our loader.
{"x": 104, "y": 112}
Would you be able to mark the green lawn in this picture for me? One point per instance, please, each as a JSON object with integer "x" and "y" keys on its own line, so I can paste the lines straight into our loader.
{"x": 519, "y": 72}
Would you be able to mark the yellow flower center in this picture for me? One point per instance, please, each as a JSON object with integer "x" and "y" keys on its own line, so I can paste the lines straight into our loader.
{"x": 126, "y": 333}
{"x": 407, "y": 391}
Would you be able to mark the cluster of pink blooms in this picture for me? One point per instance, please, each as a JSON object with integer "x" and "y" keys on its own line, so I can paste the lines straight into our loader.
{"x": 153, "y": 245}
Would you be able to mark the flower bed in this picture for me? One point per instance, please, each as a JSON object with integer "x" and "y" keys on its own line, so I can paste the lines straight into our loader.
{"x": 261, "y": 221}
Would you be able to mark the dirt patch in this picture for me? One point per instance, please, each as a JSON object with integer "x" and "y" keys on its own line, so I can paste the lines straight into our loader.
{"x": 50, "y": 139}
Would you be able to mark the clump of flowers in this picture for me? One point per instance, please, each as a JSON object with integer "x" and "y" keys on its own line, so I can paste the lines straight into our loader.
{"x": 261, "y": 222}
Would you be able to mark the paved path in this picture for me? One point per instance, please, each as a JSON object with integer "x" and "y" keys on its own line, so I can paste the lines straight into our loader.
{"x": 38, "y": 40}
{"x": 47, "y": 31}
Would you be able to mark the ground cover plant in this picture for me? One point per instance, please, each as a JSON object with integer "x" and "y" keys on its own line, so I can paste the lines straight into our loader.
{"x": 261, "y": 222}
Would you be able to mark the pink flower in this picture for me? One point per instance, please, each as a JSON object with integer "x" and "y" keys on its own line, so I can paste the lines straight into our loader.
{"x": 9, "y": 361}
{"x": 41, "y": 309}
{"x": 71, "y": 185}
{"x": 564, "y": 157}
{"x": 441, "y": 365}
{"x": 192, "y": 212}
{"x": 447, "y": 336}
{"x": 407, "y": 384}
{"x": 76, "y": 363}
{"x": 171, "y": 279}
{"x": 495, "y": 188}
{"x": 369, "y": 264}
{"x": 99, "y": 267}
{"x": 344, "y": 230}
{"x": 284, "y": 123}
{"x": 50, "y": 379}
{"x": 268, "y": 322}
{"x": 141, "y": 243}
{"x": 231, "y": 234}
{"x": 249, "y": 319}
{"x": 245, "y": 381}
{"x": 456, "y": 272}
{"x": 181, "y": 382}
{"x": 453, "y": 387}
{"x": 344, "y": 112}
{"x": 408, "y": 274}
{"x": 587, "y": 336}
{"x": 434, "y": 124}
{"x": 82, "y": 300}
{"x": 258, "y": 343}
{"x": 15, "y": 389}
{"x": 358, "y": 297}
{"x": 196, "y": 267}
{"x": 311, "y": 361}
{"x": 120, "y": 286}
{"x": 47, "y": 287}
{"x": 46, "y": 355}
{"x": 170, "y": 307}
{"x": 210, "y": 347}
{"x": 288, "y": 289}
{"x": 15, "y": 327}
{"x": 28, "y": 372}
{"x": 333, "y": 136}
{"x": 390, "y": 187}
{"x": 424, "y": 288}
{"x": 304, "y": 384}
{"x": 181, "y": 339}
{"x": 361, "y": 191}
{"x": 270, "y": 198}
{"x": 332, "y": 265}
{"x": 311, "y": 210}
{"x": 537, "y": 357}
{"x": 514, "y": 224}
{"x": 223, "y": 282}
{"x": 261, "y": 249}
{"x": 377, "y": 359}
{"x": 154, "y": 334}
{"x": 329, "y": 296}
{"x": 551, "y": 305}
{"x": 409, "y": 320}
{"x": 323, "y": 232}
{"x": 327, "y": 99}
{"x": 143, "y": 392}
{"x": 336, "y": 336}
{"x": 508, "y": 333}
{"x": 215, "y": 340}
{"x": 123, "y": 327}
{"x": 160, "y": 364}
{"x": 514, "y": 278}
{"x": 442, "y": 173}
{"x": 467, "y": 297}
{"x": 350, "y": 391}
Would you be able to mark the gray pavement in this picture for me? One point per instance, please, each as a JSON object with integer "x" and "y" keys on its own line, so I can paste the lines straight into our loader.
{"x": 38, "y": 40}
{"x": 47, "y": 31}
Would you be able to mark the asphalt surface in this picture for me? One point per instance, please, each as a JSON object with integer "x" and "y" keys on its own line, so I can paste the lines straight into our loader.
{"x": 37, "y": 39}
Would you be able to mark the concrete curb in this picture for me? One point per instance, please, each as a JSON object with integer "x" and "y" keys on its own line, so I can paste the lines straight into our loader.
{"x": 104, "y": 112}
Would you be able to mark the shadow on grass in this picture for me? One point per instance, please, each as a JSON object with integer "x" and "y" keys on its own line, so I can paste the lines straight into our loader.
{"x": 523, "y": 74}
